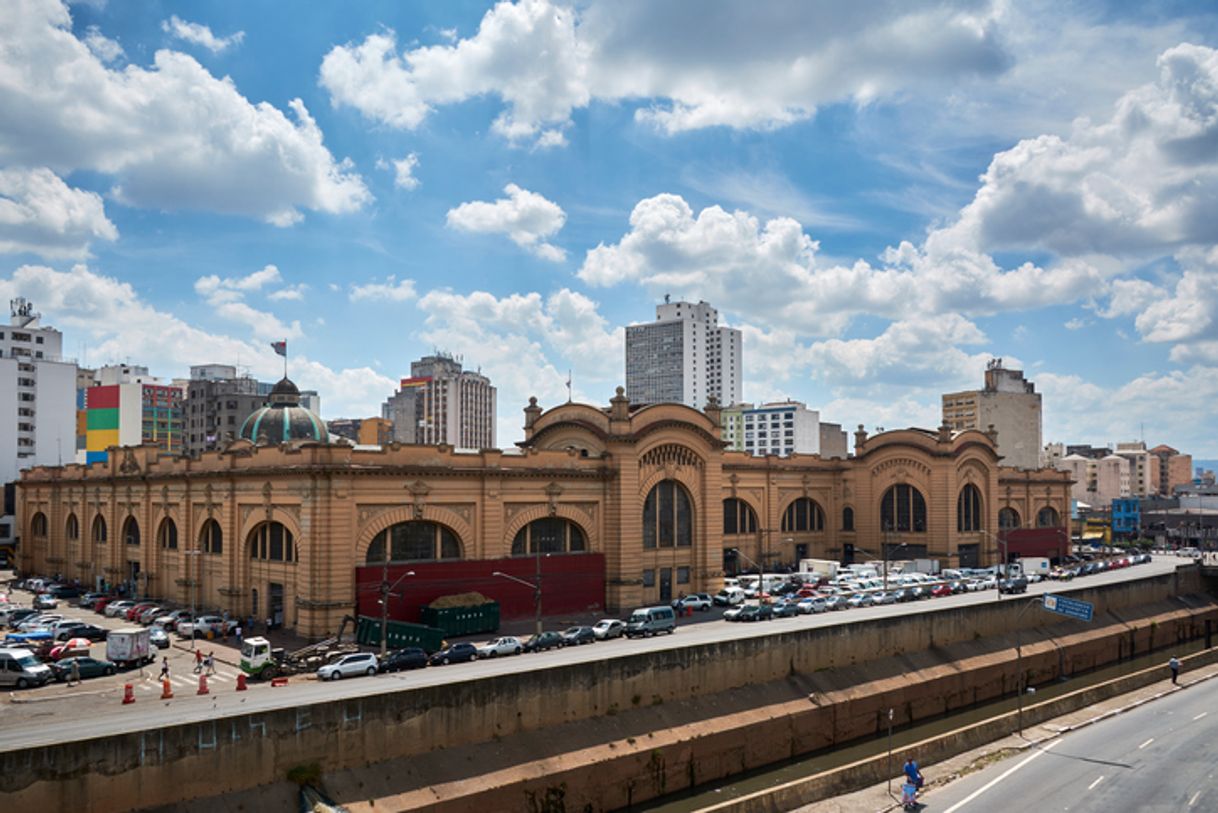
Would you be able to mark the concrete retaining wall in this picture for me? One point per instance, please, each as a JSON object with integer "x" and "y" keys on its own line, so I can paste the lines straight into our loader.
{"x": 173, "y": 763}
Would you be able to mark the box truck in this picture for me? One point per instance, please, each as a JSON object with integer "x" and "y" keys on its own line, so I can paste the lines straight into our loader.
{"x": 131, "y": 646}
{"x": 825, "y": 568}
{"x": 1035, "y": 564}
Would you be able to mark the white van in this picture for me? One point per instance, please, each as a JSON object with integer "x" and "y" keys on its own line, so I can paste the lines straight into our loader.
{"x": 648, "y": 621}
{"x": 729, "y": 597}
{"x": 19, "y": 667}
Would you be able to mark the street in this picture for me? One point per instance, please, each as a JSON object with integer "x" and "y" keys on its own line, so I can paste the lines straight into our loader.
{"x": 1157, "y": 757}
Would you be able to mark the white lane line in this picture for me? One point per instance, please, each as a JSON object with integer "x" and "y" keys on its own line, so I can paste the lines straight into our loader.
{"x": 1193, "y": 800}
{"x": 1096, "y": 782}
{"x": 994, "y": 782}
{"x": 1148, "y": 742}
{"x": 1199, "y": 716}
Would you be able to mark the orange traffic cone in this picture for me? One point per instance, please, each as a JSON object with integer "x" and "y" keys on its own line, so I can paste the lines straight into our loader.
{"x": 166, "y": 689}
{"x": 203, "y": 685}
{"x": 128, "y": 694}
{"x": 241, "y": 682}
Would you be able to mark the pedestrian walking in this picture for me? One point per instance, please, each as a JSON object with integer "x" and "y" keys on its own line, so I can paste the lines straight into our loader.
{"x": 211, "y": 662}
{"x": 237, "y": 631}
{"x": 164, "y": 669}
{"x": 198, "y": 661}
{"x": 74, "y": 675}
{"x": 1174, "y": 666}
{"x": 269, "y": 621}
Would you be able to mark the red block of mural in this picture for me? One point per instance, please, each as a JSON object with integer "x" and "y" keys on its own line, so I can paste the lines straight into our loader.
{"x": 1052, "y": 543}
{"x": 569, "y": 584}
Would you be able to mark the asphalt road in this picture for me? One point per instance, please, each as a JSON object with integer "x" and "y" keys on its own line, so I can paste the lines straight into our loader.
{"x": 1160, "y": 756}
{"x": 94, "y": 709}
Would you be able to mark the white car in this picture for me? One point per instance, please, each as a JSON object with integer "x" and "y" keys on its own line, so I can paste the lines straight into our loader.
{"x": 115, "y": 608}
{"x": 357, "y": 663}
{"x": 507, "y": 645}
{"x": 38, "y": 622}
{"x": 813, "y": 604}
{"x": 201, "y": 626}
{"x": 608, "y": 628}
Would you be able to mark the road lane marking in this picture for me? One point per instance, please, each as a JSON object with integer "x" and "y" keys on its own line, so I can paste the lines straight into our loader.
{"x": 1199, "y": 716}
{"x": 994, "y": 782}
{"x": 1193, "y": 800}
{"x": 1096, "y": 782}
{"x": 1148, "y": 742}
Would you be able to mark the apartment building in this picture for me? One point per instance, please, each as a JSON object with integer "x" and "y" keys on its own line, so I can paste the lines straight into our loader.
{"x": 1007, "y": 402}
{"x": 442, "y": 403}
{"x": 684, "y": 357}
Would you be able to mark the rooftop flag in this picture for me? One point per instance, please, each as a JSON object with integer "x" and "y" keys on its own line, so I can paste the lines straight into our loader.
{"x": 280, "y": 347}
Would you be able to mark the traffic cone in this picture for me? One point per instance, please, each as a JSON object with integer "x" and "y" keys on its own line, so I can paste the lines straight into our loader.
{"x": 128, "y": 694}
{"x": 203, "y": 685}
{"x": 166, "y": 689}
{"x": 241, "y": 682}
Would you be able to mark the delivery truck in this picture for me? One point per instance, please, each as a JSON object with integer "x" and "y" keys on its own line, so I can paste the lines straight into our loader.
{"x": 131, "y": 646}
{"x": 1038, "y": 565}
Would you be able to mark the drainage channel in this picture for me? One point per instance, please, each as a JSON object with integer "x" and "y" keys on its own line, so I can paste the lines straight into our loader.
{"x": 780, "y": 773}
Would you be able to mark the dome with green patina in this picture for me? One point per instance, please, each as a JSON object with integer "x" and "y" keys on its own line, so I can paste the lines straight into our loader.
{"x": 284, "y": 420}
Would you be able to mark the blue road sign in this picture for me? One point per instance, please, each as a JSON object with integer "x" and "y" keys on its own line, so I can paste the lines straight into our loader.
{"x": 1071, "y": 607}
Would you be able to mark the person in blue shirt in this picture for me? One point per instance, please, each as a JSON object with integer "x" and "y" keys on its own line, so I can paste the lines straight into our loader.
{"x": 912, "y": 772}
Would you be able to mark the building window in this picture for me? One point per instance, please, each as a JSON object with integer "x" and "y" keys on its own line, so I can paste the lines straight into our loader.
{"x": 903, "y": 509}
{"x": 649, "y": 578}
{"x": 38, "y": 525}
{"x": 549, "y": 535}
{"x": 968, "y": 509}
{"x": 738, "y": 517}
{"x": 131, "y": 532}
{"x": 668, "y": 517}
{"x": 211, "y": 538}
{"x": 414, "y": 541}
{"x": 847, "y": 519}
{"x": 99, "y": 529}
{"x": 72, "y": 528}
{"x": 272, "y": 542}
{"x": 1008, "y": 519}
{"x": 167, "y": 534}
{"x": 683, "y": 575}
{"x": 1047, "y": 518}
{"x": 803, "y": 515}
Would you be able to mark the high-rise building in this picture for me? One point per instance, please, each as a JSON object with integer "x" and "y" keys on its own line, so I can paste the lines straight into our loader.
{"x": 1010, "y": 404}
{"x": 442, "y": 403}
{"x": 1175, "y": 469}
{"x": 833, "y": 441}
{"x": 37, "y": 395}
{"x": 685, "y": 357}
{"x": 1143, "y": 469}
{"x": 128, "y": 407}
{"x": 782, "y": 429}
{"x": 217, "y": 402}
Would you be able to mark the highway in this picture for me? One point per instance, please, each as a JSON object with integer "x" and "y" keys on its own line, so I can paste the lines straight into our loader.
{"x": 94, "y": 708}
{"x": 1160, "y": 756}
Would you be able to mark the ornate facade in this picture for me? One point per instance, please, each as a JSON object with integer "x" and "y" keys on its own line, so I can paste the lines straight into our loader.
{"x": 280, "y": 530}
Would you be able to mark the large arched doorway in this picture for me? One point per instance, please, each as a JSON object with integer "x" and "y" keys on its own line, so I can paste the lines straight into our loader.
{"x": 668, "y": 538}
{"x": 272, "y": 553}
{"x": 903, "y": 509}
{"x": 415, "y": 541}
{"x": 549, "y": 535}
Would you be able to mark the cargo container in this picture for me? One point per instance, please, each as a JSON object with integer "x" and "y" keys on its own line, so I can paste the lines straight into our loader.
{"x": 462, "y": 620}
{"x": 399, "y": 634}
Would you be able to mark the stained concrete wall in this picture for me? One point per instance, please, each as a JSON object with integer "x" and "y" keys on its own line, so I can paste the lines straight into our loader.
{"x": 164, "y": 765}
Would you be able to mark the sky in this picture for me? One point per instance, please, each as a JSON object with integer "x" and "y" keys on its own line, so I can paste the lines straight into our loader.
{"x": 882, "y": 195}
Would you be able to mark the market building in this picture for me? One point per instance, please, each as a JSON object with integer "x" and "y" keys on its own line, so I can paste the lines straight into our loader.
{"x": 615, "y": 507}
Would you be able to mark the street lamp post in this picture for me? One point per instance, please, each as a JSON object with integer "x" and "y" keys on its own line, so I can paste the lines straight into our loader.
{"x": 754, "y": 564}
{"x": 386, "y": 592}
{"x": 536, "y": 591}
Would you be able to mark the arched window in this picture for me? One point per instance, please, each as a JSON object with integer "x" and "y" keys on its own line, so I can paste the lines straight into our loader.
{"x": 968, "y": 509}
{"x": 272, "y": 542}
{"x": 211, "y": 538}
{"x": 72, "y": 527}
{"x": 549, "y": 535}
{"x": 1047, "y": 517}
{"x": 903, "y": 509}
{"x": 131, "y": 532}
{"x": 1008, "y": 519}
{"x": 38, "y": 525}
{"x": 167, "y": 534}
{"x": 803, "y": 515}
{"x": 847, "y": 519}
{"x": 414, "y": 542}
{"x": 738, "y": 517}
{"x": 99, "y": 529}
{"x": 668, "y": 517}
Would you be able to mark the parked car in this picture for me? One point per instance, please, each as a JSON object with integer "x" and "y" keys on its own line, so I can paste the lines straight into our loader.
{"x": 506, "y": 645}
{"x": 696, "y": 601}
{"x": 133, "y": 612}
{"x": 1016, "y": 585}
{"x": 205, "y": 626}
{"x": 12, "y": 616}
{"x": 888, "y": 598}
{"x": 729, "y": 597}
{"x": 89, "y": 667}
{"x": 455, "y": 653}
{"x": 169, "y": 621}
{"x": 812, "y": 604}
{"x": 647, "y": 621}
{"x": 409, "y": 658}
{"x": 19, "y": 667}
{"x": 546, "y": 640}
{"x": 63, "y": 591}
{"x": 756, "y": 612}
{"x": 150, "y": 615}
{"x": 733, "y": 613}
{"x": 861, "y": 600}
{"x": 158, "y": 637}
{"x": 575, "y": 636}
{"x": 608, "y": 628}
{"x": 114, "y": 608}
{"x": 785, "y": 609}
{"x": 100, "y": 604}
{"x": 839, "y": 602}
{"x": 45, "y": 601}
{"x": 42, "y": 621}
{"x": 357, "y": 663}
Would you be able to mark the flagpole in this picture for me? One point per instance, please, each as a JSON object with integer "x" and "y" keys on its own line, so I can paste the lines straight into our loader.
{"x": 285, "y": 358}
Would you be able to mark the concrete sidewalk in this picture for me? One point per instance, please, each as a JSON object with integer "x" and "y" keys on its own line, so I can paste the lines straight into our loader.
{"x": 877, "y": 798}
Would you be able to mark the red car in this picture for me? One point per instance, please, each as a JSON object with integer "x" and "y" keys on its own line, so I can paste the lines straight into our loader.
{"x": 99, "y": 606}
{"x": 941, "y": 590}
{"x": 134, "y": 612}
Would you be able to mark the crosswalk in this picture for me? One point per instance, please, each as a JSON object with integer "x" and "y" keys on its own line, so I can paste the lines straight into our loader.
{"x": 222, "y": 679}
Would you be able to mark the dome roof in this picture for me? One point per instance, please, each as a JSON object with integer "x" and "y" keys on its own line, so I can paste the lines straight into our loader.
{"x": 283, "y": 419}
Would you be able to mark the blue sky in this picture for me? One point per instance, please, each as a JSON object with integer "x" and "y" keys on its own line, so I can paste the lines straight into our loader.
{"x": 883, "y": 195}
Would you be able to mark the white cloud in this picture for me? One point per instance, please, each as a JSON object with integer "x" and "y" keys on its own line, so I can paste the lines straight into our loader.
{"x": 171, "y": 136}
{"x": 212, "y": 286}
{"x": 390, "y": 290}
{"x": 907, "y": 352}
{"x": 226, "y": 296}
{"x": 403, "y": 171}
{"x": 39, "y": 213}
{"x": 293, "y": 293}
{"x": 524, "y": 216}
{"x": 1076, "y": 324}
{"x": 198, "y": 34}
{"x": 749, "y": 66}
{"x": 105, "y": 49}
